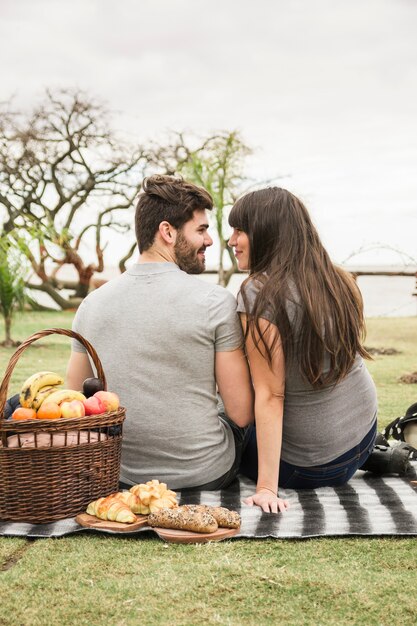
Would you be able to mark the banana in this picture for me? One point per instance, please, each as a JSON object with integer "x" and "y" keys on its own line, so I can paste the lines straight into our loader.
{"x": 41, "y": 396}
{"x": 35, "y": 382}
{"x": 65, "y": 395}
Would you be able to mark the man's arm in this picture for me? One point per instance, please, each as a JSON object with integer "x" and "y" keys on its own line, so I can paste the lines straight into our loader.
{"x": 235, "y": 387}
{"x": 78, "y": 370}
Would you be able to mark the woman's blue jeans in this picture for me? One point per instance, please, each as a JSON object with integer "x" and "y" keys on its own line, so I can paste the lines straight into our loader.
{"x": 332, "y": 474}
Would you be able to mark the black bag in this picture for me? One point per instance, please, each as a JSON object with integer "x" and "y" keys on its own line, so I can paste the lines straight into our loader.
{"x": 397, "y": 427}
{"x": 11, "y": 405}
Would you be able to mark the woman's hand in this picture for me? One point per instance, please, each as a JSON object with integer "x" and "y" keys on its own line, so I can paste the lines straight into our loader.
{"x": 268, "y": 501}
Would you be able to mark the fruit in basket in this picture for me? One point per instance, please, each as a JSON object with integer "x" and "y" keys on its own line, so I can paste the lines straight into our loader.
{"x": 109, "y": 399}
{"x": 94, "y": 406}
{"x": 42, "y": 395}
{"x": 34, "y": 383}
{"x": 66, "y": 395}
{"x": 49, "y": 411}
{"x": 22, "y": 413}
{"x": 91, "y": 386}
{"x": 74, "y": 408}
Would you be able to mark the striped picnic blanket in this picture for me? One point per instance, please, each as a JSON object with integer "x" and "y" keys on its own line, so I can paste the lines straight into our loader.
{"x": 368, "y": 505}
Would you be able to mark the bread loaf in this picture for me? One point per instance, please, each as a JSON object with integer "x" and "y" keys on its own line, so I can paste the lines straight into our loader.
{"x": 224, "y": 517}
{"x": 184, "y": 519}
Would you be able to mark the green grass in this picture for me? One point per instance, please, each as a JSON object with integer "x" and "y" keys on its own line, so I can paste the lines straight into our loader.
{"x": 400, "y": 333}
{"x": 50, "y": 353}
{"x": 95, "y": 579}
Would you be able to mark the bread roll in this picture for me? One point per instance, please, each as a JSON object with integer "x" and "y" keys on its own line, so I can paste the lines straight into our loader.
{"x": 153, "y": 496}
{"x": 111, "y": 509}
{"x": 130, "y": 500}
{"x": 224, "y": 517}
{"x": 184, "y": 519}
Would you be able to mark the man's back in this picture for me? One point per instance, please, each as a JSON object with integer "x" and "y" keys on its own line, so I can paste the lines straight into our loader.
{"x": 156, "y": 330}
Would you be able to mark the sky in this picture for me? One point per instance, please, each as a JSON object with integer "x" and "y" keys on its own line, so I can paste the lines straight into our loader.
{"x": 324, "y": 91}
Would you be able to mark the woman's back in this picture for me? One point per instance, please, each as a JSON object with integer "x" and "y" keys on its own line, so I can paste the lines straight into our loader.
{"x": 318, "y": 423}
{"x": 315, "y": 402}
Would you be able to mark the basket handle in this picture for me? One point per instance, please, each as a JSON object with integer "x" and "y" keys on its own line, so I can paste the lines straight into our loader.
{"x": 39, "y": 335}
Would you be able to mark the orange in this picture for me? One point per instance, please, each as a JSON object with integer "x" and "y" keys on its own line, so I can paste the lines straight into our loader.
{"x": 49, "y": 411}
{"x": 24, "y": 414}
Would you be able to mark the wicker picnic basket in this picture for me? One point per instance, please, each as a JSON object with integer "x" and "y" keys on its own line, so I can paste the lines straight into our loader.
{"x": 41, "y": 484}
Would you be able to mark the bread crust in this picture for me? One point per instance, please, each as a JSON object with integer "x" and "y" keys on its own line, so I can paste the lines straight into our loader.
{"x": 225, "y": 518}
{"x": 111, "y": 509}
{"x": 184, "y": 519}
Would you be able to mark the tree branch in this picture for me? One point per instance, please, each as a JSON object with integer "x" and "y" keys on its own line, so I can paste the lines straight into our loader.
{"x": 128, "y": 255}
{"x": 52, "y": 293}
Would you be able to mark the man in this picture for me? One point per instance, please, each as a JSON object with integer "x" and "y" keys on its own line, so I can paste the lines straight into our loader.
{"x": 166, "y": 340}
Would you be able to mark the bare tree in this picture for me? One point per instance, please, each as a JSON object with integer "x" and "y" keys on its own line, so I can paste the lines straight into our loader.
{"x": 216, "y": 163}
{"x": 64, "y": 179}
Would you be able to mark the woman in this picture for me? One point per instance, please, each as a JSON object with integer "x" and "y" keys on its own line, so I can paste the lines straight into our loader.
{"x": 315, "y": 402}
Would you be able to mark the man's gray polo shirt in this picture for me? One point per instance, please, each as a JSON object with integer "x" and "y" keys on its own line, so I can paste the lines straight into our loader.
{"x": 156, "y": 330}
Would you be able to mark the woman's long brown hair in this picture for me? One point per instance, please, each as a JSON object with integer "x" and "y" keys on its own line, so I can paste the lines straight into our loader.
{"x": 289, "y": 261}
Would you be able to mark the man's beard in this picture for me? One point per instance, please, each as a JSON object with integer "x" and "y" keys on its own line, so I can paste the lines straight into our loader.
{"x": 186, "y": 256}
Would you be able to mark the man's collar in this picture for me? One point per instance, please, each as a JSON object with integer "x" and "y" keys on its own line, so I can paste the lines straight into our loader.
{"x": 142, "y": 269}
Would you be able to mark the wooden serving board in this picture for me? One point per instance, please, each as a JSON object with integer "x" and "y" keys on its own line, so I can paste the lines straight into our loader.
{"x": 169, "y": 535}
{"x": 186, "y": 536}
{"x": 90, "y": 521}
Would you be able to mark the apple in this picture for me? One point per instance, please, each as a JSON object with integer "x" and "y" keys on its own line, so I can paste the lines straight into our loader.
{"x": 91, "y": 386}
{"x": 109, "y": 399}
{"x": 75, "y": 408}
{"x": 94, "y": 406}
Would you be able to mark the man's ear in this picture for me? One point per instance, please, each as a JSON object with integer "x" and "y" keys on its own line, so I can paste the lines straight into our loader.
{"x": 167, "y": 232}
